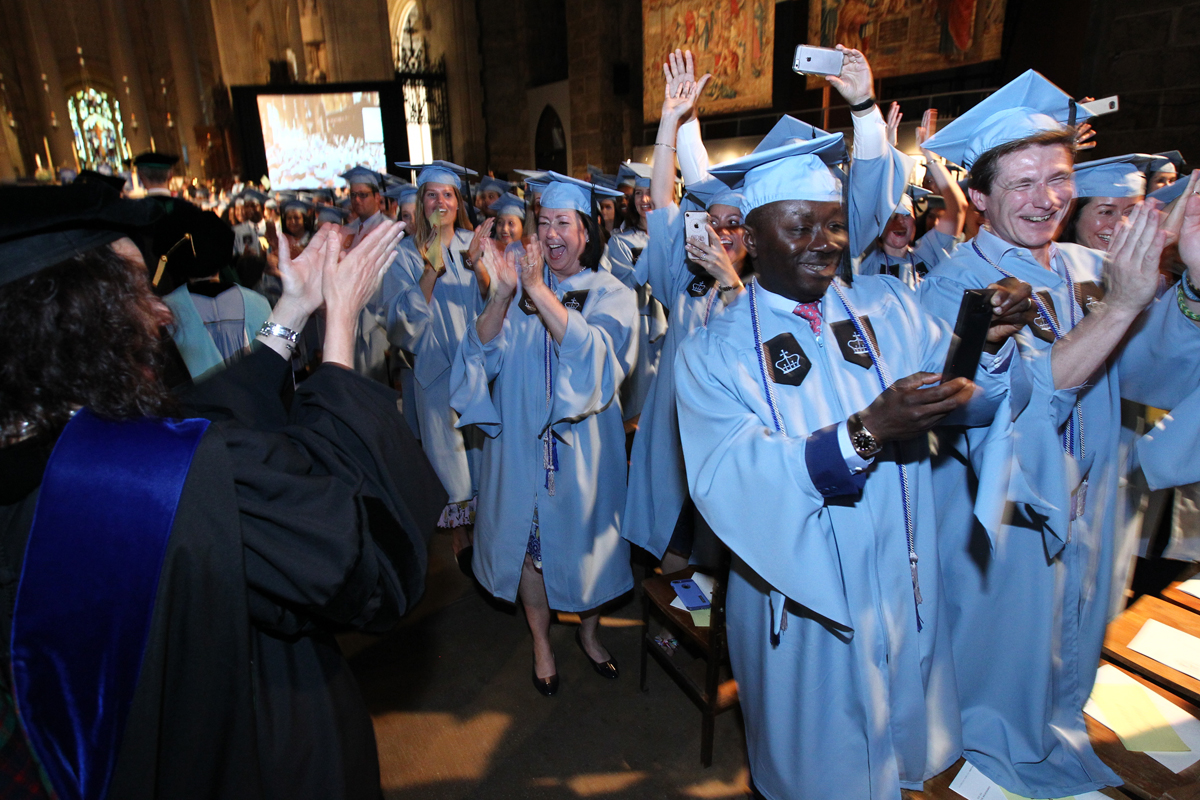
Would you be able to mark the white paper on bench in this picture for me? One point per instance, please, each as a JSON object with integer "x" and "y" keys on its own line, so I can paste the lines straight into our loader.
{"x": 1169, "y": 646}
{"x": 974, "y": 785}
{"x": 1184, "y": 724}
{"x": 1191, "y": 586}
{"x": 706, "y": 585}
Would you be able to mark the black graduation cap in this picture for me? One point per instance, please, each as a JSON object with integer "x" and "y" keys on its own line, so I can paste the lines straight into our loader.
{"x": 196, "y": 243}
{"x": 155, "y": 160}
{"x": 45, "y": 225}
{"x": 90, "y": 175}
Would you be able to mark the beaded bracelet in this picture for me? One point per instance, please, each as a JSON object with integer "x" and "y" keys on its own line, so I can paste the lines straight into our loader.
{"x": 1181, "y": 297}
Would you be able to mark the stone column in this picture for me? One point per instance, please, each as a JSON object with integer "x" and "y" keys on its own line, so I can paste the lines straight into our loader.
{"x": 52, "y": 96}
{"x": 127, "y": 82}
{"x": 185, "y": 69}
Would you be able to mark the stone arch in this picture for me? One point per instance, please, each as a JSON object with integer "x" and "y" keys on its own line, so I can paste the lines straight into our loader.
{"x": 550, "y": 142}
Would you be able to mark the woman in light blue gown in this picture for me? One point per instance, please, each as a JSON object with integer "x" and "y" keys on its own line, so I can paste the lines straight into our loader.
{"x": 539, "y": 373}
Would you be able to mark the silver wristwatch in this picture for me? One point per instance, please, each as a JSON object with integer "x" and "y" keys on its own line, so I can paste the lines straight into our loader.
{"x": 866, "y": 445}
{"x": 275, "y": 329}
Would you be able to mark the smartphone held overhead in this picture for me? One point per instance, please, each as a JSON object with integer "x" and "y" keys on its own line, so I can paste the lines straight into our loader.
{"x": 811, "y": 60}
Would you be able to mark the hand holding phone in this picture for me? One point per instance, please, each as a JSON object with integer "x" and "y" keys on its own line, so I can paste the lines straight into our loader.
{"x": 970, "y": 335}
{"x": 695, "y": 224}
{"x": 810, "y": 60}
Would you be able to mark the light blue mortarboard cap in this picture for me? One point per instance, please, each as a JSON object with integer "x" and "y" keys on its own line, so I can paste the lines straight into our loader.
{"x": 562, "y": 191}
{"x": 1026, "y": 106}
{"x": 331, "y": 214}
{"x": 788, "y": 130}
{"x": 438, "y": 171}
{"x": 909, "y": 199}
{"x": 714, "y": 191}
{"x": 798, "y": 171}
{"x": 398, "y": 190}
{"x": 1171, "y": 191}
{"x": 253, "y": 194}
{"x": 489, "y": 184}
{"x": 633, "y": 173}
{"x": 364, "y": 176}
{"x": 509, "y": 204}
{"x": 1119, "y": 176}
{"x": 535, "y": 179}
{"x": 602, "y": 178}
{"x": 293, "y": 203}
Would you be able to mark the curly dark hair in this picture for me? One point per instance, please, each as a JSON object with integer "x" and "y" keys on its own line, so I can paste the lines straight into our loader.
{"x": 80, "y": 333}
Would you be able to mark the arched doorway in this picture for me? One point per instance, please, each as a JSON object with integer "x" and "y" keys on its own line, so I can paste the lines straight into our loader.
{"x": 550, "y": 142}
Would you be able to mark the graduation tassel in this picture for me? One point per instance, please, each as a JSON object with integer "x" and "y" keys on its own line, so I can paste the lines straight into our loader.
{"x": 912, "y": 565}
{"x": 549, "y": 447}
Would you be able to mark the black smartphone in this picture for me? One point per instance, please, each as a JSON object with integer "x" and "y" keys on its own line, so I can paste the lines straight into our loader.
{"x": 970, "y": 334}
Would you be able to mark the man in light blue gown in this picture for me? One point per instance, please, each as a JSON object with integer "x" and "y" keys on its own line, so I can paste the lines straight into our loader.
{"x": 1027, "y": 581}
{"x": 657, "y": 484}
{"x": 806, "y": 459}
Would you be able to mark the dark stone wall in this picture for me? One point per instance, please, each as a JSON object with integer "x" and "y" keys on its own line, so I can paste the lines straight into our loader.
{"x": 1148, "y": 52}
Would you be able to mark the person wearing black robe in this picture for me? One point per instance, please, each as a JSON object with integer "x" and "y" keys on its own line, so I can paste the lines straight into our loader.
{"x": 304, "y": 513}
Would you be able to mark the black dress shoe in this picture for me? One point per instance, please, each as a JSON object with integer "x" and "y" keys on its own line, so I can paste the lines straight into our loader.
{"x": 605, "y": 669}
{"x": 464, "y": 560}
{"x": 547, "y": 687}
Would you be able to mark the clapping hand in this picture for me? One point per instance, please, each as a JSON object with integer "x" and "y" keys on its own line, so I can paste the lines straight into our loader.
{"x": 1133, "y": 257}
{"x": 476, "y": 248}
{"x": 928, "y": 126}
{"x": 302, "y": 275}
{"x": 1085, "y": 136}
{"x": 682, "y": 89}
{"x": 855, "y": 84}
{"x": 893, "y": 124}
{"x": 531, "y": 265}
{"x": 505, "y": 270}
{"x": 1189, "y": 232}
{"x": 349, "y": 281}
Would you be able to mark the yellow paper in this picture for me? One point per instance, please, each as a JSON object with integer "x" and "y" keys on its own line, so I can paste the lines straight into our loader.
{"x": 1134, "y": 719}
{"x": 702, "y": 618}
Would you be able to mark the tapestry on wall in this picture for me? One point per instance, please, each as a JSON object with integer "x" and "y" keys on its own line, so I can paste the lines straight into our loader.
{"x": 732, "y": 39}
{"x": 904, "y": 37}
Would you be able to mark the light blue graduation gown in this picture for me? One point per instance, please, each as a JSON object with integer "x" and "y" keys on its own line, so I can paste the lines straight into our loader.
{"x": 1027, "y": 588}
{"x": 657, "y": 481}
{"x": 623, "y": 257}
{"x": 585, "y": 562}
{"x": 196, "y": 346}
{"x": 850, "y": 701}
{"x": 928, "y": 251}
{"x": 432, "y": 331}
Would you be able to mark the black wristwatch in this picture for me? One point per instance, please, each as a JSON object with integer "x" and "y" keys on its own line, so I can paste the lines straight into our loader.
{"x": 866, "y": 445}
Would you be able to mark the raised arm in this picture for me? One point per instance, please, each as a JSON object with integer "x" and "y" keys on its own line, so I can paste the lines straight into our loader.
{"x": 682, "y": 93}
{"x": 951, "y": 223}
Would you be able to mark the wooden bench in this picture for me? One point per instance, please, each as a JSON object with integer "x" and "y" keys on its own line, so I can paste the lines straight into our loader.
{"x": 713, "y": 689}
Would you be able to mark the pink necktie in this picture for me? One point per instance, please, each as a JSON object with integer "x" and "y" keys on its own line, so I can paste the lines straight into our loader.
{"x": 812, "y": 313}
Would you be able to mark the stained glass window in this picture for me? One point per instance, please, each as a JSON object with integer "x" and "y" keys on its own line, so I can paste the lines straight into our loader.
{"x": 99, "y": 131}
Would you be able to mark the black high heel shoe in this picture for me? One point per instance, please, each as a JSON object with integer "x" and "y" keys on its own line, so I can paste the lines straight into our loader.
{"x": 605, "y": 669}
{"x": 464, "y": 560}
{"x": 547, "y": 687}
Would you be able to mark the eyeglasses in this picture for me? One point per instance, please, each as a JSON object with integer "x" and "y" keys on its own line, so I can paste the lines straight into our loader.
{"x": 361, "y": 195}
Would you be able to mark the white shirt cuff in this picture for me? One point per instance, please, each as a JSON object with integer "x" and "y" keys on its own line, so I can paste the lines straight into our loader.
{"x": 870, "y": 135}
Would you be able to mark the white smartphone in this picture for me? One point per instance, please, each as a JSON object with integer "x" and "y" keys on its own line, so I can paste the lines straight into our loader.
{"x": 1105, "y": 105}
{"x": 812, "y": 60}
{"x": 695, "y": 224}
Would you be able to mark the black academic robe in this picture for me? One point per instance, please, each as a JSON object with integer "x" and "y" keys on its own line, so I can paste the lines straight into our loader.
{"x": 301, "y": 516}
